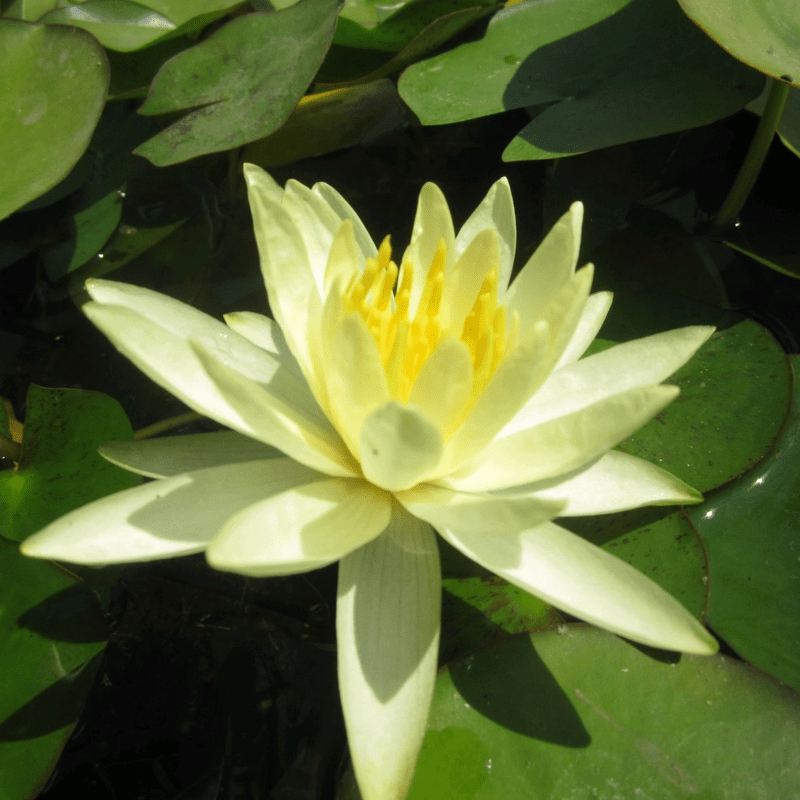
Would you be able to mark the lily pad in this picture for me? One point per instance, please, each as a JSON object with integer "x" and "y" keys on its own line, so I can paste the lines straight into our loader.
{"x": 594, "y": 73}
{"x": 763, "y": 33}
{"x": 60, "y": 469}
{"x": 51, "y": 626}
{"x": 242, "y": 82}
{"x": 54, "y": 80}
{"x": 750, "y": 530}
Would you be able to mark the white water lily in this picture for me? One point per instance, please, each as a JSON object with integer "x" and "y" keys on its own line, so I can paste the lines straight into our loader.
{"x": 366, "y": 415}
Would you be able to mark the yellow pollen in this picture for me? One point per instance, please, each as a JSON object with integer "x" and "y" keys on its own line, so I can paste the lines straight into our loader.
{"x": 405, "y": 344}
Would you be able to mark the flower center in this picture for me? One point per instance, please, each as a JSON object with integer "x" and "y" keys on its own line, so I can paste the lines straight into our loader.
{"x": 405, "y": 344}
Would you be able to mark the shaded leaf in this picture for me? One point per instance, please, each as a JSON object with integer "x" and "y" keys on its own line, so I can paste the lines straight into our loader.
{"x": 243, "y": 81}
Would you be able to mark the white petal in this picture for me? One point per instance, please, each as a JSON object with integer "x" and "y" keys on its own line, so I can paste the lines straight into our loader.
{"x": 263, "y": 182}
{"x": 496, "y": 212}
{"x": 431, "y": 224}
{"x": 561, "y": 445}
{"x": 170, "y": 517}
{"x": 306, "y": 527}
{"x": 642, "y": 362}
{"x": 256, "y": 412}
{"x": 592, "y": 318}
{"x": 399, "y": 447}
{"x": 445, "y": 509}
{"x": 174, "y": 455}
{"x": 387, "y": 633}
{"x": 264, "y": 333}
{"x": 317, "y": 223}
{"x": 549, "y": 268}
{"x": 285, "y": 264}
{"x": 616, "y": 482}
{"x": 344, "y": 211}
{"x": 584, "y": 580}
{"x": 183, "y": 322}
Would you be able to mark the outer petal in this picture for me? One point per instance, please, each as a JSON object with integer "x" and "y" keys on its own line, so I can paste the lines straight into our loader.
{"x": 616, "y": 482}
{"x": 254, "y": 411}
{"x": 584, "y": 580}
{"x": 345, "y": 211}
{"x": 174, "y": 455}
{"x": 446, "y": 509}
{"x": 387, "y": 631}
{"x": 496, "y": 212}
{"x": 642, "y": 362}
{"x": 171, "y": 517}
{"x": 561, "y": 445}
{"x": 399, "y": 447}
{"x": 285, "y": 263}
{"x": 594, "y": 315}
{"x": 549, "y": 268}
{"x": 184, "y": 322}
{"x": 264, "y": 333}
{"x": 304, "y": 528}
{"x": 317, "y": 223}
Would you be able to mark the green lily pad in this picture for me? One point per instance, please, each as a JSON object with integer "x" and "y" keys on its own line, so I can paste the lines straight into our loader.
{"x": 60, "y": 469}
{"x": 55, "y": 80}
{"x": 750, "y": 530}
{"x": 584, "y": 713}
{"x": 741, "y": 373}
{"x": 125, "y": 25}
{"x": 51, "y": 627}
{"x": 763, "y": 33}
{"x": 242, "y": 82}
{"x": 598, "y": 72}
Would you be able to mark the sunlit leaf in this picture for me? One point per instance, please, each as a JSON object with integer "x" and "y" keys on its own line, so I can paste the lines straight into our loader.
{"x": 53, "y": 84}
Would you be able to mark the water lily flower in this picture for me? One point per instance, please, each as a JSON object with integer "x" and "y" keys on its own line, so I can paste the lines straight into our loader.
{"x": 384, "y": 401}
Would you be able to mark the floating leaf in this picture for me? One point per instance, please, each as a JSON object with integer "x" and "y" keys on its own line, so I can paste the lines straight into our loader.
{"x": 53, "y": 83}
{"x": 753, "y": 541}
{"x": 584, "y": 714}
{"x": 50, "y": 628}
{"x": 243, "y": 81}
{"x": 762, "y": 33}
{"x": 60, "y": 469}
{"x": 599, "y": 72}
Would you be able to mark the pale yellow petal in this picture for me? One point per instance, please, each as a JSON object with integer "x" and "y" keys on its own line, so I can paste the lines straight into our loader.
{"x": 616, "y": 482}
{"x": 165, "y": 518}
{"x": 549, "y": 268}
{"x": 387, "y": 635}
{"x": 444, "y": 384}
{"x": 584, "y": 580}
{"x": 495, "y": 212}
{"x": 399, "y": 447}
{"x": 563, "y": 444}
{"x": 174, "y": 455}
{"x": 591, "y": 320}
{"x": 431, "y": 224}
{"x": 306, "y": 527}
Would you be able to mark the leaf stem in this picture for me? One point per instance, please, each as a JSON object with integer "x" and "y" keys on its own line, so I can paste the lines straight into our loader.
{"x": 10, "y": 449}
{"x": 751, "y": 166}
{"x": 166, "y": 424}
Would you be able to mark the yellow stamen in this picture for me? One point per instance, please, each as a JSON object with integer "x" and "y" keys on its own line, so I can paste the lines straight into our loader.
{"x": 405, "y": 344}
